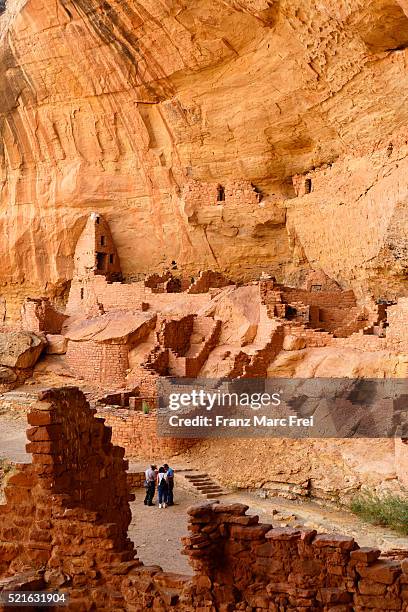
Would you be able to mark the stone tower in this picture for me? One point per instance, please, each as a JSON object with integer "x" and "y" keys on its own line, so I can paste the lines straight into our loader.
{"x": 96, "y": 263}
{"x": 95, "y": 253}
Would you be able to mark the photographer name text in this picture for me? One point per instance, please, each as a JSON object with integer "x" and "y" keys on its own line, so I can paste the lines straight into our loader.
{"x": 252, "y": 421}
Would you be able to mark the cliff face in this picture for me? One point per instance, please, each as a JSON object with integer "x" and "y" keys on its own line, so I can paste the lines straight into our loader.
{"x": 118, "y": 105}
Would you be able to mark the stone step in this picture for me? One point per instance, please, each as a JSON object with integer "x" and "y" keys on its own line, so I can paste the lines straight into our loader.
{"x": 204, "y": 485}
{"x": 198, "y": 483}
{"x": 214, "y": 495}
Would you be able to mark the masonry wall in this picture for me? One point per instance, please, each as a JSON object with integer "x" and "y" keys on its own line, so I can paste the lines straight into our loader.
{"x": 136, "y": 480}
{"x": 99, "y": 362}
{"x": 198, "y": 355}
{"x": 234, "y": 193}
{"x": 249, "y": 566}
{"x": 258, "y": 364}
{"x": 95, "y": 252}
{"x": 208, "y": 280}
{"x": 68, "y": 512}
{"x": 119, "y": 296}
{"x": 312, "y": 338}
{"x": 335, "y": 311}
{"x": 175, "y": 334}
{"x": 113, "y": 296}
{"x": 322, "y": 299}
{"x": 269, "y": 291}
{"x": 136, "y": 432}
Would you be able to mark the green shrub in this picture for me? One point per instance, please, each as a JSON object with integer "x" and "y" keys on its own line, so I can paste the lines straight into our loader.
{"x": 386, "y": 509}
{"x": 145, "y": 408}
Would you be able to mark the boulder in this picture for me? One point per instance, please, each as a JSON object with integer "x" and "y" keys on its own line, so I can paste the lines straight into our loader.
{"x": 57, "y": 344}
{"x": 20, "y": 349}
{"x": 7, "y": 376}
{"x": 293, "y": 343}
{"x": 239, "y": 310}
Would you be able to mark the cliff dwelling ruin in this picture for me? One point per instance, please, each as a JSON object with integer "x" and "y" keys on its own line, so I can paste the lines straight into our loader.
{"x": 120, "y": 337}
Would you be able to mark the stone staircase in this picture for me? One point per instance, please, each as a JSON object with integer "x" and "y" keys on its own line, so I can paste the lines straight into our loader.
{"x": 202, "y": 484}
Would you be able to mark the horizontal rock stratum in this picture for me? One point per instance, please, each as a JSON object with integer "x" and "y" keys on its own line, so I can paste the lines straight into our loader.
{"x": 142, "y": 109}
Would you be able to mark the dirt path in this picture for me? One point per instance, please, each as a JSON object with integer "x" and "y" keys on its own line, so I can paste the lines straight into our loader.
{"x": 156, "y": 532}
{"x": 13, "y": 440}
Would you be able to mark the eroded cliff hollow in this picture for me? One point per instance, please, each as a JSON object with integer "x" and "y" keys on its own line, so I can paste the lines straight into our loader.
{"x": 119, "y": 105}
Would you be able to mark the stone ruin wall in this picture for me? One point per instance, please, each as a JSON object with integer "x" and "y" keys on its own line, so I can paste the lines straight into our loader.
{"x": 111, "y": 295}
{"x": 175, "y": 333}
{"x": 64, "y": 525}
{"x": 122, "y": 296}
{"x": 68, "y": 510}
{"x": 238, "y": 193}
{"x": 95, "y": 252}
{"x": 100, "y": 362}
{"x": 208, "y": 280}
{"x": 137, "y": 433}
{"x": 332, "y": 310}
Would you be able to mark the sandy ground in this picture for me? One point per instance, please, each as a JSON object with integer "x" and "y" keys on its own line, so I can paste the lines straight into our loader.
{"x": 156, "y": 531}
{"x": 13, "y": 440}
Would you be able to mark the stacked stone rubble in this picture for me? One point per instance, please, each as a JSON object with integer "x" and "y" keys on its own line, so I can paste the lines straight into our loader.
{"x": 243, "y": 565}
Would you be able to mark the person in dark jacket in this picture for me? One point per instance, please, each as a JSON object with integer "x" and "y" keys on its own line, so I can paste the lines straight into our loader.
{"x": 150, "y": 485}
{"x": 170, "y": 484}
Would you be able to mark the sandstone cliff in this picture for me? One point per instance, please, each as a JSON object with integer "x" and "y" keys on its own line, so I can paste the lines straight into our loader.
{"x": 117, "y": 105}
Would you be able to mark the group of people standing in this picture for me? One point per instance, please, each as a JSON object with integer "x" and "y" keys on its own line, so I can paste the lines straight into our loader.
{"x": 163, "y": 478}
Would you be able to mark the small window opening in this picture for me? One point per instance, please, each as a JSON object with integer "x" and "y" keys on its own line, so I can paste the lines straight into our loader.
{"x": 101, "y": 261}
{"x": 291, "y": 312}
{"x": 220, "y": 193}
{"x": 102, "y": 240}
{"x": 258, "y": 192}
{"x": 316, "y": 288}
{"x": 111, "y": 258}
{"x": 82, "y": 293}
{"x": 97, "y": 220}
{"x": 308, "y": 185}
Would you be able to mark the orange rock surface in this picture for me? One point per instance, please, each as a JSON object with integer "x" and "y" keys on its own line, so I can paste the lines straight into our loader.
{"x": 119, "y": 106}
